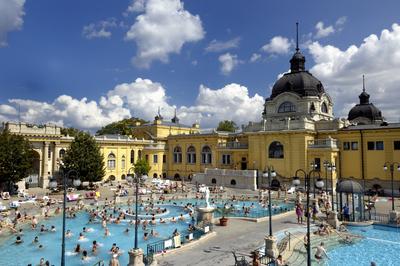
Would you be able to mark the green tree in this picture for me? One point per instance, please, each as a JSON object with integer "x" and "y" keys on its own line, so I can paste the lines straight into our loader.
{"x": 70, "y": 131}
{"x": 122, "y": 127}
{"x": 84, "y": 156}
{"x": 16, "y": 158}
{"x": 227, "y": 125}
{"x": 142, "y": 167}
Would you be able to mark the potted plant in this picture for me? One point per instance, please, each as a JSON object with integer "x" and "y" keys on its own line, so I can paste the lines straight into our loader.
{"x": 223, "y": 211}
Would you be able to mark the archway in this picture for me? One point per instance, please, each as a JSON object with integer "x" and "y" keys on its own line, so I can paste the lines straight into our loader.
{"x": 155, "y": 175}
{"x": 33, "y": 179}
{"x": 213, "y": 181}
{"x": 233, "y": 182}
{"x": 177, "y": 177}
{"x": 122, "y": 177}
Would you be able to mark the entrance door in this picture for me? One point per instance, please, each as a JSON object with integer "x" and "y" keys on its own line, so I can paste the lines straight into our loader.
{"x": 33, "y": 178}
{"x": 243, "y": 165}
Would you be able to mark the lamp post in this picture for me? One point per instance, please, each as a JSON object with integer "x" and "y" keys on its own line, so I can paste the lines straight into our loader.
{"x": 136, "y": 255}
{"x": 391, "y": 166}
{"x": 53, "y": 184}
{"x": 319, "y": 184}
{"x": 268, "y": 174}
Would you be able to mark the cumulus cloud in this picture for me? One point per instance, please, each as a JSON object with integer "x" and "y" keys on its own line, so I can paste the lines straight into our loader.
{"x": 101, "y": 29}
{"x": 11, "y": 18}
{"x": 219, "y": 46}
{"x": 136, "y": 6}
{"x": 277, "y": 45}
{"x": 163, "y": 28}
{"x": 140, "y": 98}
{"x": 228, "y": 63}
{"x": 378, "y": 57}
{"x": 255, "y": 57}
{"x": 322, "y": 31}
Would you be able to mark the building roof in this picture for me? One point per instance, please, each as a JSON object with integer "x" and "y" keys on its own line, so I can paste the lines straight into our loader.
{"x": 298, "y": 81}
{"x": 372, "y": 127}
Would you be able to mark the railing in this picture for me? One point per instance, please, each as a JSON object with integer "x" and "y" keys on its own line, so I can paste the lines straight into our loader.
{"x": 233, "y": 145}
{"x": 380, "y": 217}
{"x": 323, "y": 143}
{"x": 99, "y": 263}
{"x": 167, "y": 244}
{"x": 252, "y": 213}
{"x": 267, "y": 260}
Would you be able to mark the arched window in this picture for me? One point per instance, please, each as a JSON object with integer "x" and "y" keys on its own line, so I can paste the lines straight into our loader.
{"x": 191, "y": 155}
{"x": 123, "y": 162}
{"x": 275, "y": 150}
{"x": 61, "y": 153}
{"x": 139, "y": 154}
{"x": 213, "y": 181}
{"x": 177, "y": 154}
{"x": 233, "y": 182}
{"x": 286, "y": 107}
{"x": 111, "y": 161}
{"x": 206, "y": 155}
{"x": 132, "y": 156}
{"x": 324, "y": 108}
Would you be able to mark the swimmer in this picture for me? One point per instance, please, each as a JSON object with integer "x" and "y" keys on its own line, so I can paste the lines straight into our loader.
{"x": 18, "y": 240}
{"x": 126, "y": 231}
{"x": 181, "y": 218}
{"x": 84, "y": 255}
{"x": 145, "y": 235}
{"x": 173, "y": 220}
{"x": 53, "y": 228}
{"x": 77, "y": 248}
{"x": 162, "y": 221}
{"x": 94, "y": 246}
{"x": 81, "y": 236}
{"x": 153, "y": 233}
{"x": 68, "y": 234}
{"x": 35, "y": 240}
{"x": 106, "y": 232}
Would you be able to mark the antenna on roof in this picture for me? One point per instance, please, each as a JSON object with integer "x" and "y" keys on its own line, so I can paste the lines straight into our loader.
{"x": 363, "y": 84}
{"x": 297, "y": 36}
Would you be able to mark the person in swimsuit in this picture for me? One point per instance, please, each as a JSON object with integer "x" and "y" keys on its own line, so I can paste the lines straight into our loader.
{"x": 320, "y": 252}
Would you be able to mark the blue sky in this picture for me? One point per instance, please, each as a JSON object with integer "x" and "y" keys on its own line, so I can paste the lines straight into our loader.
{"x": 191, "y": 55}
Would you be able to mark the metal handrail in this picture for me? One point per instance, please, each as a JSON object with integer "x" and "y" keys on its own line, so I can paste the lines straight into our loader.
{"x": 99, "y": 263}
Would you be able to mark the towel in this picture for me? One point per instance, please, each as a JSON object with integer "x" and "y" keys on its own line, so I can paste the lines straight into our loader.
{"x": 177, "y": 241}
{"x": 168, "y": 243}
{"x": 190, "y": 236}
{"x": 206, "y": 229}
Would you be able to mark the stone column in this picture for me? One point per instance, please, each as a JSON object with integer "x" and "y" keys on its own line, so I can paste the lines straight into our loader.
{"x": 135, "y": 257}
{"x": 45, "y": 175}
{"x": 205, "y": 215}
{"x": 271, "y": 249}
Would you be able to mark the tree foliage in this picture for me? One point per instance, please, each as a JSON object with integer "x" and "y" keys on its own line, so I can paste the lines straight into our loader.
{"x": 70, "y": 131}
{"x": 122, "y": 127}
{"x": 142, "y": 167}
{"x": 227, "y": 125}
{"x": 85, "y": 158}
{"x": 16, "y": 158}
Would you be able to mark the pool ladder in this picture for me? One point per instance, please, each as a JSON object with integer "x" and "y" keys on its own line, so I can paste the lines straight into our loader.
{"x": 99, "y": 263}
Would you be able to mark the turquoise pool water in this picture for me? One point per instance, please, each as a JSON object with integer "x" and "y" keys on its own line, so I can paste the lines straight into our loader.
{"x": 27, "y": 252}
{"x": 381, "y": 244}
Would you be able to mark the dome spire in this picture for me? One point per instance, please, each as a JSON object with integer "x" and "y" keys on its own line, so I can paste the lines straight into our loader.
{"x": 364, "y": 97}
{"x": 297, "y": 63}
{"x": 297, "y": 36}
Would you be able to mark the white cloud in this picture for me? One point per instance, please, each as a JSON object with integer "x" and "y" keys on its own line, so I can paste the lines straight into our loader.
{"x": 228, "y": 63}
{"x": 11, "y": 18}
{"x": 140, "y": 98}
{"x": 255, "y": 57}
{"x": 163, "y": 28}
{"x": 277, "y": 45}
{"x": 219, "y": 46}
{"x": 136, "y": 6}
{"x": 377, "y": 57}
{"x": 7, "y": 110}
{"x": 323, "y": 31}
{"x": 99, "y": 29}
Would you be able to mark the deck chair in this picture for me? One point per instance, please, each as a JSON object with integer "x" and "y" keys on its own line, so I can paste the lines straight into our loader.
{"x": 240, "y": 260}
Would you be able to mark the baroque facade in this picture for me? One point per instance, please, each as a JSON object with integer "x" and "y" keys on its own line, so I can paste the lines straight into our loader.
{"x": 297, "y": 129}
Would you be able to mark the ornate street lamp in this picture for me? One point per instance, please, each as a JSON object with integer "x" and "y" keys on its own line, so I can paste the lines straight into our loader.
{"x": 319, "y": 184}
{"x": 391, "y": 166}
{"x": 268, "y": 174}
{"x": 53, "y": 184}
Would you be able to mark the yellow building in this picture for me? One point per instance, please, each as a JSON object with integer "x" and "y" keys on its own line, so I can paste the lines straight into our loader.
{"x": 296, "y": 130}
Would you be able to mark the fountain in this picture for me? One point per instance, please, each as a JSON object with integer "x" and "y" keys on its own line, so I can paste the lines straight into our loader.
{"x": 205, "y": 214}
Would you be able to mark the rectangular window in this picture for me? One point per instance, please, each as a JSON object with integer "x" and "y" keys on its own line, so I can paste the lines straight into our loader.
{"x": 48, "y": 153}
{"x": 147, "y": 157}
{"x": 379, "y": 146}
{"x": 346, "y": 145}
{"x": 396, "y": 145}
{"x": 226, "y": 159}
{"x": 317, "y": 162}
{"x": 155, "y": 158}
{"x": 164, "y": 158}
{"x": 123, "y": 164}
{"x": 371, "y": 145}
{"x": 354, "y": 145}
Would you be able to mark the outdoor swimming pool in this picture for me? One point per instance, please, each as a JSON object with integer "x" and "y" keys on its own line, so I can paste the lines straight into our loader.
{"x": 27, "y": 252}
{"x": 381, "y": 245}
